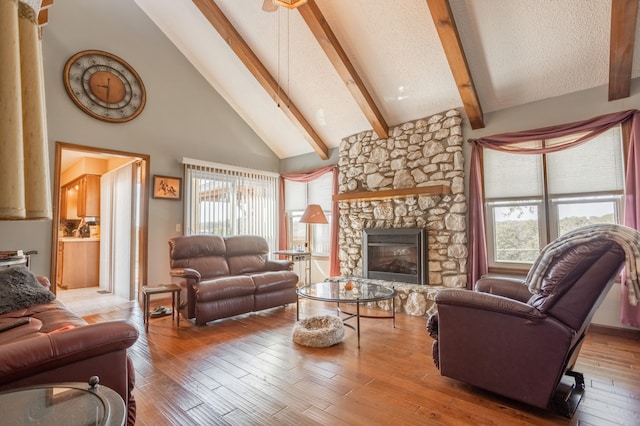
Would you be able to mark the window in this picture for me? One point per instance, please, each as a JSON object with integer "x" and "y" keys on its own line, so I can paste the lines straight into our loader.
{"x": 298, "y": 195}
{"x": 531, "y": 199}
{"x": 226, "y": 200}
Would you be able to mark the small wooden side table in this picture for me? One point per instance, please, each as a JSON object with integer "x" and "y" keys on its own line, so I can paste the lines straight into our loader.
{"x": 148, "y": 290}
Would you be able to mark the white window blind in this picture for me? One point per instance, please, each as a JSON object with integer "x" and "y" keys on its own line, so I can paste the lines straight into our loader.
{"x": 296, "y": 195}
{"x": 226, "y": 200}
{"x": 512, "y": 175}
{"x": 320, "y": 191}
{"x": 594, "y": 166}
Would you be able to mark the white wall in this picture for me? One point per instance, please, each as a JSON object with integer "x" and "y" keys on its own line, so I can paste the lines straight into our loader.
{"x": 184, "y": 116}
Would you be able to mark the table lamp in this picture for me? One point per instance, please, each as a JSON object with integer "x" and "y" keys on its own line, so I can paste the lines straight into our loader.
{"x": 312, "y": 214}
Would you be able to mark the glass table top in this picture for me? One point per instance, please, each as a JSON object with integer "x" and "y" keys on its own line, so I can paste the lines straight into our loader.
{"x": 63, "y": 404}
{"x": 346, "y": 291}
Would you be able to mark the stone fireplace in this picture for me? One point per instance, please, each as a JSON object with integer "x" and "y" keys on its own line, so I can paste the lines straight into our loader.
{"x": 421, "y": 169}
{"x": 395, "y": 254}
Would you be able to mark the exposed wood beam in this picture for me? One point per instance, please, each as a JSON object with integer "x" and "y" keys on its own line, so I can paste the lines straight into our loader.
{"x": 329, "y": 42}
{"x": 450, "y": 39}
{"x": 43, "y": 17}
{"x": 624, "y": 15}
{"x": 219, "y": 21}
{"x": 43, "y": 14}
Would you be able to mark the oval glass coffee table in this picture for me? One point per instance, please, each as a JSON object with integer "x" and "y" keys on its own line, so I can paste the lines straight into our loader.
{"x": 360, "y": 292}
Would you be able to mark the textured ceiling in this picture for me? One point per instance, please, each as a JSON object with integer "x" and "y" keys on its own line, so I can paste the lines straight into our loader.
{"x": 518, "y": 51}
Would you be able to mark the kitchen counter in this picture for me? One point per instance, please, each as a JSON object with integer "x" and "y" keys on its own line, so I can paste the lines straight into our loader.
{"x": 78, "y": 239}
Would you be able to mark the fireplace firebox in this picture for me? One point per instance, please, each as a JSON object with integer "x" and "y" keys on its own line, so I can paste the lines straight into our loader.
{"x": 397, "y": 254}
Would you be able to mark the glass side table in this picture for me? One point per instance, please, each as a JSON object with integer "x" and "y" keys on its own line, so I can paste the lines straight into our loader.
{"x": 68, "y": 404}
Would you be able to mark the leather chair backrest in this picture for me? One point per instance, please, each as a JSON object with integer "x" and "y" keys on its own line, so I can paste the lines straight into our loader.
{"x": 577, "y": 281}
{"x": 204, "y": 253}
{"x": 246, "y": 254}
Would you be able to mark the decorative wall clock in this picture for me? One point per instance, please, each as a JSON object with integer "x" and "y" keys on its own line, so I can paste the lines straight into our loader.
{"x": 104, "y": 86}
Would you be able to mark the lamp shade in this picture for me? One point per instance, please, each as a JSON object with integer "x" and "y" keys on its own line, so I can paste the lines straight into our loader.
{"x": 289, "y": 4}
{"x": 313, "y": 214}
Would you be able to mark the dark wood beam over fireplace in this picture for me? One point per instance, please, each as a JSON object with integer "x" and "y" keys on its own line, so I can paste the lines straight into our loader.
{"x": 388, "y": 194}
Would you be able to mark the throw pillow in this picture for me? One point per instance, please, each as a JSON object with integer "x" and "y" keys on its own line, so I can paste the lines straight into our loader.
{"x": 19, "y": 289}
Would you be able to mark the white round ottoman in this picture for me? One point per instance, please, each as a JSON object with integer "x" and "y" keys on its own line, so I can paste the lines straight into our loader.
{"x": 318, "y": 332}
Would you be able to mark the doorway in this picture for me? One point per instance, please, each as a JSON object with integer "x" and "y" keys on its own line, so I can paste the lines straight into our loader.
{"x": 91, "y": 248}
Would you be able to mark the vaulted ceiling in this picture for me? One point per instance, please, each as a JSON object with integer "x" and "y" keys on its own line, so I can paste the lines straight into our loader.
{"x": 305, "y": 78}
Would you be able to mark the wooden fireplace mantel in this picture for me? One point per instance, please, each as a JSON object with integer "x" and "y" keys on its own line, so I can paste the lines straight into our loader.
{"x": 392, "y": 193}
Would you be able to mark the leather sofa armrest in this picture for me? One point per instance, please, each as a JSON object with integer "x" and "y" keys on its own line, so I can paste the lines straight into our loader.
{"x": 488, "y": 302}
{"x": 44, "y": 281}
{"x": 185, "y": 273}
{"x": 278, "y": 265}
{"x": 512, "y": 288}
{"x": 47, "y": 351}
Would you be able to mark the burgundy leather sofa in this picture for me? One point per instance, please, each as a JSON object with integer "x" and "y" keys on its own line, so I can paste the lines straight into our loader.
{"x": 504, "y": 339}
{"x": 226, "y": 276}
{"x": 53, "y": 345}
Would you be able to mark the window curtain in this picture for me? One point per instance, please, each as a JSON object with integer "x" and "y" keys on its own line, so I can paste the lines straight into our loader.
{"x": 24, "y": 155}
{"x": 118, "y": 211}
{"x": 334, "y": 263}
{"x": 582, "y": 132}
{"x": 629, "y": 314}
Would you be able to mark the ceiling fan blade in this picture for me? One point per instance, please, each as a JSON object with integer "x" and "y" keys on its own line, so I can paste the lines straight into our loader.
{"x": 269, "y": 6}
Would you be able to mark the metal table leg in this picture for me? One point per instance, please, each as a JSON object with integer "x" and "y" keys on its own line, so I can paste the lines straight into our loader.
{"x": 358, "y": 320}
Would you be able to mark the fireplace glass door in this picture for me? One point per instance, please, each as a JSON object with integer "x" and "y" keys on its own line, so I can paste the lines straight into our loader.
{"x": 395, "y": 254}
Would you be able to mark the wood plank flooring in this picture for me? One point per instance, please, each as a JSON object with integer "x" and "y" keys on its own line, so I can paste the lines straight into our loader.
{"x": 247, "y": 371}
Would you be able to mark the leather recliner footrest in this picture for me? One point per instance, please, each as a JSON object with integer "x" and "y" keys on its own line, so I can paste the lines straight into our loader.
{"x": 568, "y": 394}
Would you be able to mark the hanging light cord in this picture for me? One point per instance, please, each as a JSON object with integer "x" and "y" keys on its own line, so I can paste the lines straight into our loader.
{"x": 278, "y": 69}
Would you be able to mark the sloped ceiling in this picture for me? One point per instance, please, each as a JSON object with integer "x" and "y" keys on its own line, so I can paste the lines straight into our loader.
{"x": 515, "y": 52}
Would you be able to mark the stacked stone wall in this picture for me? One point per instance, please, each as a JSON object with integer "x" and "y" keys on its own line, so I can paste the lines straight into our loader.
{"x": 417, "y": 153}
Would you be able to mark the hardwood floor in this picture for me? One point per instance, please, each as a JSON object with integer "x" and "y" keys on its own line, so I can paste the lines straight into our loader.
{"x": 247, "y": 371}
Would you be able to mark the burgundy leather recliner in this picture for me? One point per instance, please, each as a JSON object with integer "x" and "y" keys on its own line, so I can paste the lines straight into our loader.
{"x": 503, "y": 339}
{"x": 226, "y": 276}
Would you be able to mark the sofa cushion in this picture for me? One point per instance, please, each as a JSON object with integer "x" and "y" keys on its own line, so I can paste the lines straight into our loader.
{"x": 266, "y": 282}
{"x": 239, "y": 245}
{"x": 54, "y": 316}
{"x": 19, "y": 288}
{"x": 204, "y": 253}
{"x": 13, "y": 329}
{"x": 246, "y": 254}
{"x": 195, "y": 246}
{"x": 248, "y": 264}
{"x": 224, "y": 288}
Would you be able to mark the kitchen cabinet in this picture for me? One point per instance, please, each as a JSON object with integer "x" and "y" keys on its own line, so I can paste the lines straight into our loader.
{"x": 81, "y": 198}
{"x": 78, "y": 263}
{"x": 69, "y": 203}
{"x": 89, "y": 196}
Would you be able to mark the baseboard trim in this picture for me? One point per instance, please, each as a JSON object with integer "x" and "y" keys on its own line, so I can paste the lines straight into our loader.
{"x": 627, "y": 333}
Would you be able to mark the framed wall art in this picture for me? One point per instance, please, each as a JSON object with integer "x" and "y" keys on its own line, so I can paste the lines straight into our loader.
{"x": 167, "y": 187}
